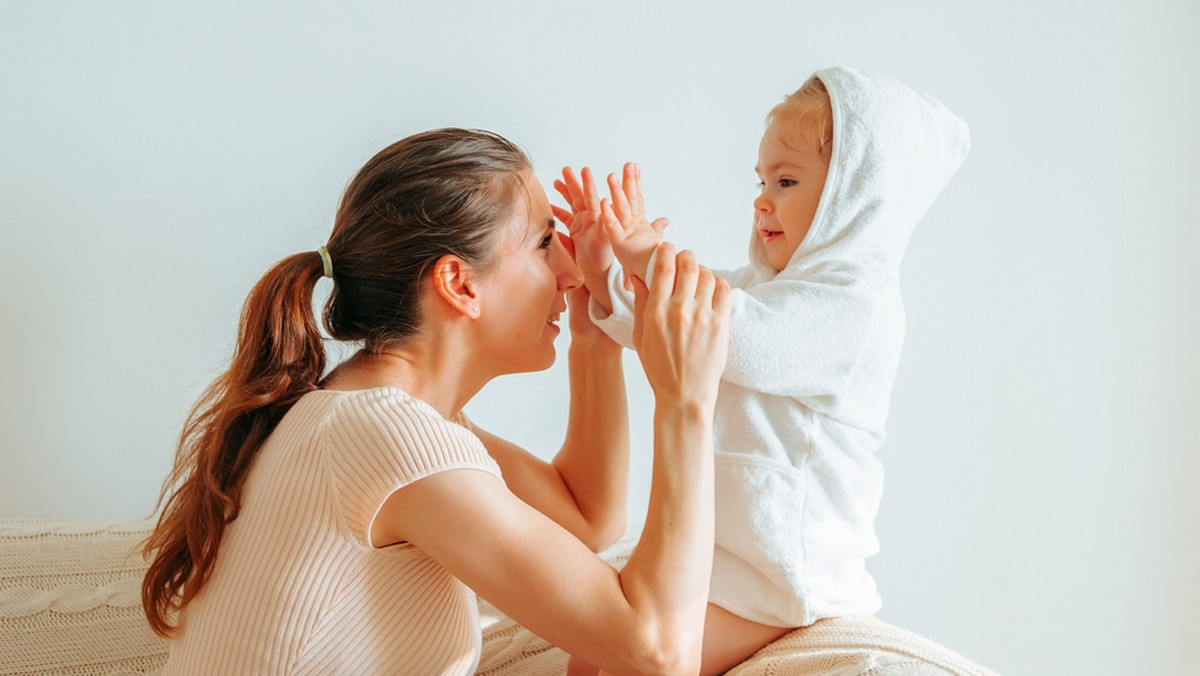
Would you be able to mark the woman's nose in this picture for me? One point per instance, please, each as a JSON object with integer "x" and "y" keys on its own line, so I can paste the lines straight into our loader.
{"x": 569, "y": 276}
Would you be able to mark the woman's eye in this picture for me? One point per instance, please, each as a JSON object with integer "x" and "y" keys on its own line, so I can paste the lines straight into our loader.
{"x": 545, "y": 243}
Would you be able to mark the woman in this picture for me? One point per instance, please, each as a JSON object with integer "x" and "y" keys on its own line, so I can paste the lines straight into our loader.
{"x": 342, "y": 524}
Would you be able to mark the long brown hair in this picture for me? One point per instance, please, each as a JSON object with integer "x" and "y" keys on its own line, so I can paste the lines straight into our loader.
{"x": 442, "y": 192}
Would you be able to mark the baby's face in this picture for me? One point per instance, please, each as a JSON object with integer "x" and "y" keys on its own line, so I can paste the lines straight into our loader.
{"x": 793, "y": 176}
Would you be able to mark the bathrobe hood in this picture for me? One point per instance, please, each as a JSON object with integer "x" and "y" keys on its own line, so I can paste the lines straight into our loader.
{"x": 894, "y": 149}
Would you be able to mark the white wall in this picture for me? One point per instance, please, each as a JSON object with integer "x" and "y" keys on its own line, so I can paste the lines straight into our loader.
{"x": 1039, "y": 514}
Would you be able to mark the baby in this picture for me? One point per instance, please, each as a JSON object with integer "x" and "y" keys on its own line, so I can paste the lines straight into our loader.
{"x": 848, "y": 165}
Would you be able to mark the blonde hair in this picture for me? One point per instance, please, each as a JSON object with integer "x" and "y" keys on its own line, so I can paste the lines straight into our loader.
{"x": 804, "y": 118}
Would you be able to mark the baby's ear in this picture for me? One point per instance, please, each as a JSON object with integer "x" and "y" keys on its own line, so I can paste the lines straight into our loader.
{"x": 454, "y": 281}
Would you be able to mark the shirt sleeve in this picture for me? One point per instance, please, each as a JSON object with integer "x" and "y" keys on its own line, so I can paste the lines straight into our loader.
{"x": 385, "y": 440}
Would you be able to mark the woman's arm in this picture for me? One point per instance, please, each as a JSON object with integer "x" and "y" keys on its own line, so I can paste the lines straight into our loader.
{"x": 649, "y": 617}
{"x": 584, "y": 488}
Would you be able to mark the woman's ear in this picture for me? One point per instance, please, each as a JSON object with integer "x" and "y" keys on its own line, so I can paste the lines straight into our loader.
{"x": 454, "y": 280}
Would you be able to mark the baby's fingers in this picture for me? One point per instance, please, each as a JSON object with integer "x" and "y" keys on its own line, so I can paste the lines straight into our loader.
{"x": 612, "y": 225}
{"x": 620, "y": 203}
{"x": 631, "y": 186}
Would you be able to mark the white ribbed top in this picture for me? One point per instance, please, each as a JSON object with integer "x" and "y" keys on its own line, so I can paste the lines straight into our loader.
{"x": 297, "y": 587}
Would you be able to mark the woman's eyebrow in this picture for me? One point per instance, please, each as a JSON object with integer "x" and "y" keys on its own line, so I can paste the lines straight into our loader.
{"x": 537, "y": 233}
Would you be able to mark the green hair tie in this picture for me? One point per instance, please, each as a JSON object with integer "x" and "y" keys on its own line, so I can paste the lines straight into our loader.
{"x": 326, "y": 262}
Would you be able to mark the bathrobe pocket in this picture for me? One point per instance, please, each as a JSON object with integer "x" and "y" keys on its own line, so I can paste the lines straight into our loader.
{"x": 760, "y": 554}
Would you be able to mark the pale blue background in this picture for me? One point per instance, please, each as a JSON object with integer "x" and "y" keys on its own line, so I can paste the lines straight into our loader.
{"x": 1040, "y": 513}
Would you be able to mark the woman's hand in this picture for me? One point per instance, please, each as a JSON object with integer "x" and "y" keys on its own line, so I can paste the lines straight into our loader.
{"x": 584, "y": 332}
{"x": 681, "y": 328}
{"x": 593, "y": 254}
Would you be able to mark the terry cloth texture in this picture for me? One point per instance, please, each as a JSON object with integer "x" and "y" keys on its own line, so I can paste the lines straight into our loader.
{"x": 298, "y": 588}
{"x": 813, "y": 355}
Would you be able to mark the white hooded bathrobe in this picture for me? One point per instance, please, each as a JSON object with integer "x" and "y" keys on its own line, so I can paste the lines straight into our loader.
{"x": 813, "y": 356}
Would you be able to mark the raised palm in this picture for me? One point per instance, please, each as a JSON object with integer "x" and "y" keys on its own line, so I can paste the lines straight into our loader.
{"x": 593, "y": 253}
{"x": 632, "y": 237}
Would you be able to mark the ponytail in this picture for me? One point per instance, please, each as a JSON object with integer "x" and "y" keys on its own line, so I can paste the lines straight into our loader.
{"x": 441, "y": 192}
{"x": 279, "y": 357}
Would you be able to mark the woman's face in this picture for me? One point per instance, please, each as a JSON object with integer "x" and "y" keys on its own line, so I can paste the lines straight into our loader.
{"x": 522, "y": 297}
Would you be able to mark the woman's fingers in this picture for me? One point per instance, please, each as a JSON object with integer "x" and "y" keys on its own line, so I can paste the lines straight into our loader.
{"x": 663, "y": 279}
{"x": 687, "y": 275}
{"x": 563, "y": 215}
{"x": 590, "y": 196}
{"x": 722, "y": 298}
{"x": 706, "y": 283}
{"x": 661, "y": 289}
{"x": 681, "y": 327}
{"x": 562, "y": 189}
{"x": 569, "y": 187}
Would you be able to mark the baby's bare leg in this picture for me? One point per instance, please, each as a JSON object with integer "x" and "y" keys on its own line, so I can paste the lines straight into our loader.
{"x": 729, "y": 639}
{"x": 577, "y": 667}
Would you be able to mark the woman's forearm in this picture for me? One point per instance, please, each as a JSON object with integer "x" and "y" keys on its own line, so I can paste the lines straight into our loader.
{"x": 594, "y": 458}
{"x": 668, "y": 574}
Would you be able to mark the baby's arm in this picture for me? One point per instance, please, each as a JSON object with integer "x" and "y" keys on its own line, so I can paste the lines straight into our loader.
{"x": 797, "y": 336}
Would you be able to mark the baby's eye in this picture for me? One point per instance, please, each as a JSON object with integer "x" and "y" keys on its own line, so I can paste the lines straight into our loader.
{"x": 786, "y": 182}
{"x": 761, "y": 185}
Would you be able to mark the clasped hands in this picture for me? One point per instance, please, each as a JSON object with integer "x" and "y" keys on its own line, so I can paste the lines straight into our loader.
{"x": 681, "y": 322}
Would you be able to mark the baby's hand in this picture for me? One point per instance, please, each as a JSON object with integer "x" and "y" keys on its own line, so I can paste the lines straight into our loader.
{"x": 632, "y": 237}
{"x": 593, "y": 254}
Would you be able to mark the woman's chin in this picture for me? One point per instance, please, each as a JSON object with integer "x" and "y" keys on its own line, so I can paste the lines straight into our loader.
{"x": 544, "y": 360}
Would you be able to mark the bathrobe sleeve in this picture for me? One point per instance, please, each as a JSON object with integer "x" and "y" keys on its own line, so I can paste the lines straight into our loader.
{"x": 797, "y": 335}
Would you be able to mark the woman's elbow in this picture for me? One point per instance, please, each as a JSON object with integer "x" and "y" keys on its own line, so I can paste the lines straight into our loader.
{"x": 666, "y": 658}
{"x": 601, "y": 536}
